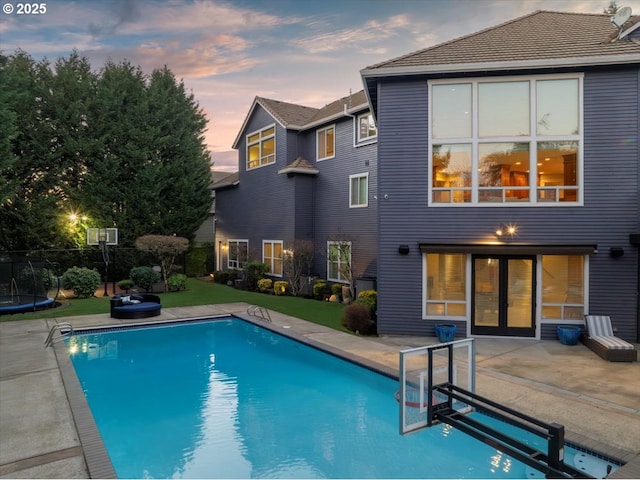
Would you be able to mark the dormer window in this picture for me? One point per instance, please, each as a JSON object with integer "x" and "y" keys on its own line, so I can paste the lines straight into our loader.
{"x": 261, "y": 147}
{"x": 366, "y": 127}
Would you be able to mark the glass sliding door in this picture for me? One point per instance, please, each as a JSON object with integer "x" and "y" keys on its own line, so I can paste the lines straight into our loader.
{"x": 503, "y": 295}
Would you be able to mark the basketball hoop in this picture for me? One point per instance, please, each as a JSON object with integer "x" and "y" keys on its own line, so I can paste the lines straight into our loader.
{"x": 103, "y": 237}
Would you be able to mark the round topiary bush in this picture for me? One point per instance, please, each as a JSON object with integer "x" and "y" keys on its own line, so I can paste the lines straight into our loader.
{"x": 370, "y": 299}
{"x": 280, "y": 287}
{"x": 265, "y": 285}
{"x": 177, "y": 282}
{"x": 144, "y": 277}
{"x": 357, "y": 318}
{"x": 83, "y": 281}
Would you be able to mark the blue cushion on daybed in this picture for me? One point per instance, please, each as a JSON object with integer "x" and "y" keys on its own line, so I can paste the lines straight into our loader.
{"x": 135, "y": 306}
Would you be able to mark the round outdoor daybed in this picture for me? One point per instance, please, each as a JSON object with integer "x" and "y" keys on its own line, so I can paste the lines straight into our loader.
{"x": 141, "y": 305}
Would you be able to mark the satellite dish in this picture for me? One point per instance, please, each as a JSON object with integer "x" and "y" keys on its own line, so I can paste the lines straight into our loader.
{"x": 621, "y": 16}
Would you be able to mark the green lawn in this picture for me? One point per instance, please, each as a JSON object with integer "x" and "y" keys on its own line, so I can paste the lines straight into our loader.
{"x": 200, "y": 292}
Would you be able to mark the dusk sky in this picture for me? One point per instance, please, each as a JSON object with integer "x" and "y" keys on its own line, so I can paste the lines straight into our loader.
{"x": 228, "y": 52}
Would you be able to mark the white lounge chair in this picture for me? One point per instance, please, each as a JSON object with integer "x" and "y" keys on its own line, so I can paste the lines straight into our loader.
{"x": 600, "y": 338}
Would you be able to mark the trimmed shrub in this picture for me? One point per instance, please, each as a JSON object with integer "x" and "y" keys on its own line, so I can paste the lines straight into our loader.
{"x": 125, "y": 284}
{"x": 357, "y": 318}
{"x": 265, "y": 285}
{"x": 83, "y": 281}
{"x": 336, "y": 289}
{"x": 254, "y": 271}
{"x": 177, "y": 282}
{"x": 320, "y": 289}
{"x": 144, "y": 277}
{"x": 221, "y": 276}
{"x": 370, "y": 299}
{"x": 281, "y": 287}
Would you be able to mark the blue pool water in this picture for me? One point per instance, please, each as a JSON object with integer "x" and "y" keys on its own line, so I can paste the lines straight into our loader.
{"x": 228, "y": 399}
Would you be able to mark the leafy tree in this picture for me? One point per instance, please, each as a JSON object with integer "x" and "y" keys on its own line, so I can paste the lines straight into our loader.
{"x": 27, "y": 212}
{"x": 612, "y": 8}
{"x": 166, "y": 249}
{"x": 298, "y": 261}
{"x": 120, "y": 148}
{"x": 178, "y": 151}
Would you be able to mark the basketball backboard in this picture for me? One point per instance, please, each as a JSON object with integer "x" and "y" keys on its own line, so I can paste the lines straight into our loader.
{"x": 108, "y": 235}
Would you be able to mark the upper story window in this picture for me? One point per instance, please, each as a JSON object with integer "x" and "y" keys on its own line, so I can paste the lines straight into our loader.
{"x": 505, "y": 141}
{"x": 366, "y": 127}
{"x": 326, "y": 142}
{"x": 261, "y": 147}
{"x": 359, "y": 190}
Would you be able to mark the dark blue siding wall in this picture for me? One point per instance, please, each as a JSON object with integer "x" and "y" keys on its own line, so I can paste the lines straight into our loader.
{"x": 402, "y": 199}
{"x": 612, "y": 192}
{"x": 261, "y": 207}
{"x": 334, "y": 220}
{"x": 268, "y": 205}
{"x": 610, "y": 212}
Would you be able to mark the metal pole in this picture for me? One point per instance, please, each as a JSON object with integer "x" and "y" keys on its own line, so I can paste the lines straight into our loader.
{"x": 555, "y": 451}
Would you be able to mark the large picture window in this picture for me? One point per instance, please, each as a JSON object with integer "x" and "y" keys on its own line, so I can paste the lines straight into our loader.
{"x": 261, "y": 147}
{"x": 506, "y": 141}
{"x": 445, "y": 285}
{"x": 272, "y": 256}
{"x": 238, "y": 254}
{"x": 563, "y": 283}
{"x": 325, "y": 138}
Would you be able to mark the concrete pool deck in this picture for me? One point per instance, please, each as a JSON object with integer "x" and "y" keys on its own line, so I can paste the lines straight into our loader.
{"x": 598, "y": 402}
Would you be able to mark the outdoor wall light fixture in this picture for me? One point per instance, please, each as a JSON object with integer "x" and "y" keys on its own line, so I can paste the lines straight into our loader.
{"x": 616, "y": 252}
{"x": 403, "y": 249}
{"x": 506, "y": 230}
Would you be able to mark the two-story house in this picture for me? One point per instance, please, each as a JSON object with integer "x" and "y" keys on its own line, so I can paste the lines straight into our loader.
{"x": 508, "y": 178}
{"x": 305, "y": 175}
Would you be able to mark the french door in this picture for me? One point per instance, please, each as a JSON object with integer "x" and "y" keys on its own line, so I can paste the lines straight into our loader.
{"x": 503, "y": 295}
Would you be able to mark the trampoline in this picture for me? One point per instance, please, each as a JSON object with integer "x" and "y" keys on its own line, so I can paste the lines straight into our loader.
{"x": 27, "y": 285}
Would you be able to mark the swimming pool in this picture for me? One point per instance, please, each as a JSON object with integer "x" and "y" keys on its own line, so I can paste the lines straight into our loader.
{"x": 228, "y": 399}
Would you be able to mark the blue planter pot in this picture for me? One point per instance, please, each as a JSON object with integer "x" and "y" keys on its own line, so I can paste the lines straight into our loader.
{"x": 446, "y": 332}
{"x": 568, "y": 334}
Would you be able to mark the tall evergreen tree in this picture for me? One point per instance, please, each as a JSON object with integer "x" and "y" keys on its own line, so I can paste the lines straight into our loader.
{"x": 178, "y": 149}
{"x": 27, "y": 215}
{"x": 124, "y": 149}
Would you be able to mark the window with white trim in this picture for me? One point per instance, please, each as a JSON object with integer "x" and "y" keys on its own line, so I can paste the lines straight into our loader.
{"x": 563, "y": 287}
{"x": 339, "y": 261}
{"x": 272, "y": 256}
{"x": 238, "y": 253}
{"x": 445, "y": 285}
{"x": 261, "y": 147}
{"x": 326, "y": 143}
{"x": 359, "y": 190}
{"x": 514, "y": 140}
{"x": 366, "y": 127}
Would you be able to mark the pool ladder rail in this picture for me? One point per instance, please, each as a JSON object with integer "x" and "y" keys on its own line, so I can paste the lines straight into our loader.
{"x": 260, "y": 312}
{"x": 65, "y": 329}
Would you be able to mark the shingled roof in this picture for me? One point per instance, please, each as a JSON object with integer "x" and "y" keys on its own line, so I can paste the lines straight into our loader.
{"x": 287, "y": 114}
{"x": 299, "y": 117}
{"x": 538, "y": 39}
